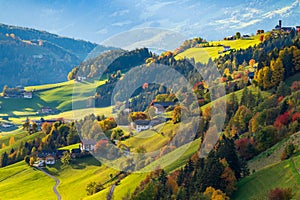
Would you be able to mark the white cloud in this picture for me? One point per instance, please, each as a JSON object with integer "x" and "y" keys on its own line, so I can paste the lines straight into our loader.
{"x": 285, "y": 11}
{"x": 151, "y": 8}
{"x": 123, "y": 23}
{"x": 120, "y": 13}
{"x": 102, "y": 31}
{"x": 245, "y": 24}
{"x": 50, "y": 11}
{"x": 240, "y": 17}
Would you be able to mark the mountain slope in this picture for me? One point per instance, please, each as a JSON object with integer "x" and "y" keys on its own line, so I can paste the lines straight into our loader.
{"x": 29, "y": 56}
{"x": 284, "y": 174}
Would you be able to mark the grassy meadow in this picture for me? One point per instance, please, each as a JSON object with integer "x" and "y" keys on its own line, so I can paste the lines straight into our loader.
{"x": 77, "y": 175}
{"x": 59, "y": 96}
{"x": 19, "y": 182}
{"x": 284, "y": 174}
{"x": 203, "y": 54}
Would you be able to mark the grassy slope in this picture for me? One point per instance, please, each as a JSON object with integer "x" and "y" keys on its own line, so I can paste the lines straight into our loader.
{"x": 272, "y": 155}
{"x": 17, "y": 134}
{"x": 19, "y": 140}
{"x": 239, "y": 95}
{"x": 152, "y": 140}
{"x": 284, "y": 174}
{"x": 72, "y": 114}
{"x": 75, "y": 177}
{"x": 57, "y": 96}
{"x": 203, "y": 54}
{"x": 130, "y": 183}
{"x": 18, "y": 182}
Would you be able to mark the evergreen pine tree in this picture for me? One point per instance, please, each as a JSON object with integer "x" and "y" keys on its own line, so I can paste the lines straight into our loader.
{"x": 226, "y": 149}
{"x": 283, "y": 90}
{"x": 212, "y": 172}
{"x": 4, "y": 160}
{"x": 245, "y": 97}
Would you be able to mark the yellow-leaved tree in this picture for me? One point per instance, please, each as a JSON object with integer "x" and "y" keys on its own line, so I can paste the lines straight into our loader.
{"x": 11, "y": 140}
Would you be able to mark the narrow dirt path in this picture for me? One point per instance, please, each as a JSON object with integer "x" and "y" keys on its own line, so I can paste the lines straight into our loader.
{"x": 57, "y": 182}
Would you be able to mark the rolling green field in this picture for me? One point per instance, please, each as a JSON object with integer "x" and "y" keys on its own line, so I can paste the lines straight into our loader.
{"x": 71, "y": 115}
{"x": 284, "y": 174}
{"x": 19, "y": 182}
{"x": 152, "y": 140}
{"x": 59, "y": 96}
{"x": 78, "y": 174}
{"x": 129, "y": 183}
{"x": 203, "y": 54}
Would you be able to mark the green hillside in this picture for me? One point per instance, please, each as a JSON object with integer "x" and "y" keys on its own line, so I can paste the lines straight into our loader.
{"x": 284, "y": 174}
{"x": 21, "y": 138}
{"x": 56, "y": 96}
{"x": 31, "y": 56}
{"x": 78, "y": 175}
{"x": 19, "y": 182}
{"x": 204, "y": 53}
{"x": 272, "y": 155}
{"x": 130, "y": 183}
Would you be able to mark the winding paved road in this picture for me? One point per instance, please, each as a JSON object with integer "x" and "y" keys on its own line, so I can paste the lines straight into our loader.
{"x": 57, "y": 182}
{"x": 111, "y": 192}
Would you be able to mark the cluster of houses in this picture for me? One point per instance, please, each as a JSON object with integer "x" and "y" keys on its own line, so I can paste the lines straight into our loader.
{"x": 233, "y": 37}
{"x": 47, "y": 111}
{"x": 17, "y": 92}
{"x": 88, "y": 145}
{"x": 50, "y": 157}
{"x": 145, "y": 124}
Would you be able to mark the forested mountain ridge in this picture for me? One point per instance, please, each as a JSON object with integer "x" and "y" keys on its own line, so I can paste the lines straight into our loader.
{"x": 27, "y": 54}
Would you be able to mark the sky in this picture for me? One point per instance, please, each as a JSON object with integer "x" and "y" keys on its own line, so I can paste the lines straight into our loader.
{"x": 97, "y": 21}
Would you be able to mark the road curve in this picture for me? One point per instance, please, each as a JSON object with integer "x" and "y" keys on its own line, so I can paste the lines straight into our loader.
{"x": 57, "y": 182}
{"x": 111, "y": 192}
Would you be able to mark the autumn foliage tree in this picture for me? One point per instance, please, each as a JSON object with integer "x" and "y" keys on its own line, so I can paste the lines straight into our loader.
{"x": 280, "y": 194}
{"x": 277, "y": 71}
{"x": 214, "y": 194}
{"x": 228, "y": 177}
{"x": 282, "y": 120}
{"x": 11, "y": 140}
{"x": 138, "y": 116}
{"x": 108, "y": 123}
{"x": 251, "y": 62}
{"x": 179, "y": 113}
{"x": 245, "y": 147}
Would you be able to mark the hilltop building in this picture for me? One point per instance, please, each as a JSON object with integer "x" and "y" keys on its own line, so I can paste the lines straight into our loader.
{"x": 281, "y": 28}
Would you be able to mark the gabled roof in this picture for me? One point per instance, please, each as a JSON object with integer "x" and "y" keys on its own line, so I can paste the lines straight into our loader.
{"x": 163, "y": 104}
{"x": 44, "y": 154}
{"x": 287, "y": 28}
{"x": 142, "y": 122}
{"x": 88, "y": 141}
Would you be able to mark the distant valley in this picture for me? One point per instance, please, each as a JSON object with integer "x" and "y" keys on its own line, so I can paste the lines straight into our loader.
{"x": 33, "y": 57}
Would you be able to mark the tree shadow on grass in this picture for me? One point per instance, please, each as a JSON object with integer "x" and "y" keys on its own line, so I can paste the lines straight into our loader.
{"x": 78, "y": 163}
{"x": 81, "y": 163}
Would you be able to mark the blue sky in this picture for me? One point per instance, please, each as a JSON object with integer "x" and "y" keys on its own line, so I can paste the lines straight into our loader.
{"x": 98, "y": 20}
